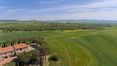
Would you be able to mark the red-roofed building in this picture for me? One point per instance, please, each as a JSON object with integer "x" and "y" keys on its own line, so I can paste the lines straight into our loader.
{"x": 10, "y": 51}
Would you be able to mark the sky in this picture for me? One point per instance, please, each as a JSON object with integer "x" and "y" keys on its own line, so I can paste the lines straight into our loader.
{"x": 58, "y": 9}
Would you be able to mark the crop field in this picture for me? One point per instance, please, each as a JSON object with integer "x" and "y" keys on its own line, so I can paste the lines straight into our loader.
{"x": 77, "y": 48}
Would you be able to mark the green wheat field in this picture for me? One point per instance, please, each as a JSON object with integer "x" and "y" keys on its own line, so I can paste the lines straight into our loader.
{"x": 76, "y": 48}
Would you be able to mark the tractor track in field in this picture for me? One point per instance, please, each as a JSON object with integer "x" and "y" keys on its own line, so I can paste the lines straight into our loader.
{"x": 66, "y": 51}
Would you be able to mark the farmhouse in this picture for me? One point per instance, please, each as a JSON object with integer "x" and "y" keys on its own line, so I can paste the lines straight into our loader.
{"x": 12, "y": 51}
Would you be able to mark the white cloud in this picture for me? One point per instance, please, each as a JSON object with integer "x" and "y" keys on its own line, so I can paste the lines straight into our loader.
{"x": 84, "y": 15}
{"x": 95, "y": 10}
{"x": 94, "y": 5}
{"x": 15, "y": 10}
{"x": 106, "y": 3}
{"x": 74, "y": 11}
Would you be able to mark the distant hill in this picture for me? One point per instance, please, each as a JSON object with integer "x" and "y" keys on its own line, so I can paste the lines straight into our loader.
{"x": 83, "y": 21}
{"x": 9, "y": 20}
{"x": 90, "y": 21}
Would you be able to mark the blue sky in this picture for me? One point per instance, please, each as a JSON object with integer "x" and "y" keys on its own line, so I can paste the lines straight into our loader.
{"x": 58, "y": 9}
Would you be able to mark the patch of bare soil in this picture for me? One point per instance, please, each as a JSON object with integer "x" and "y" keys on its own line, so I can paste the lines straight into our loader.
{"x": 46, "y": 61}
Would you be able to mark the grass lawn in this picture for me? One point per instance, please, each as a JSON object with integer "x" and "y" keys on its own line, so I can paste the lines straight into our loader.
{"x": 77, "y": 48}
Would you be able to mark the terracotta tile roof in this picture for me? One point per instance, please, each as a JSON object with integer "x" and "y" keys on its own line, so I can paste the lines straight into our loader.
{"x": 10, "y": 48}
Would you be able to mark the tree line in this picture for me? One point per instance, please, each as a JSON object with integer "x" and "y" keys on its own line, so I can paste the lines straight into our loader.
{"x": 42, "y": 26}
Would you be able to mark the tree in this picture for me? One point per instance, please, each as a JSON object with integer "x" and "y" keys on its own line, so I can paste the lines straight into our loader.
{"x": 12, "y": 42}
{"x": 27, "y": 57}
{"x": 4, "y": 45}
{"x": 19, "y": 41}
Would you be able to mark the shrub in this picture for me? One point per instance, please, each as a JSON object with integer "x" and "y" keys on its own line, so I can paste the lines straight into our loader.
{"x": 53, "y": 58}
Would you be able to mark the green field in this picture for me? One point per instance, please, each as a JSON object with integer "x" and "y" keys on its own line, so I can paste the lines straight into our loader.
{"x": 79, "y": 48}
